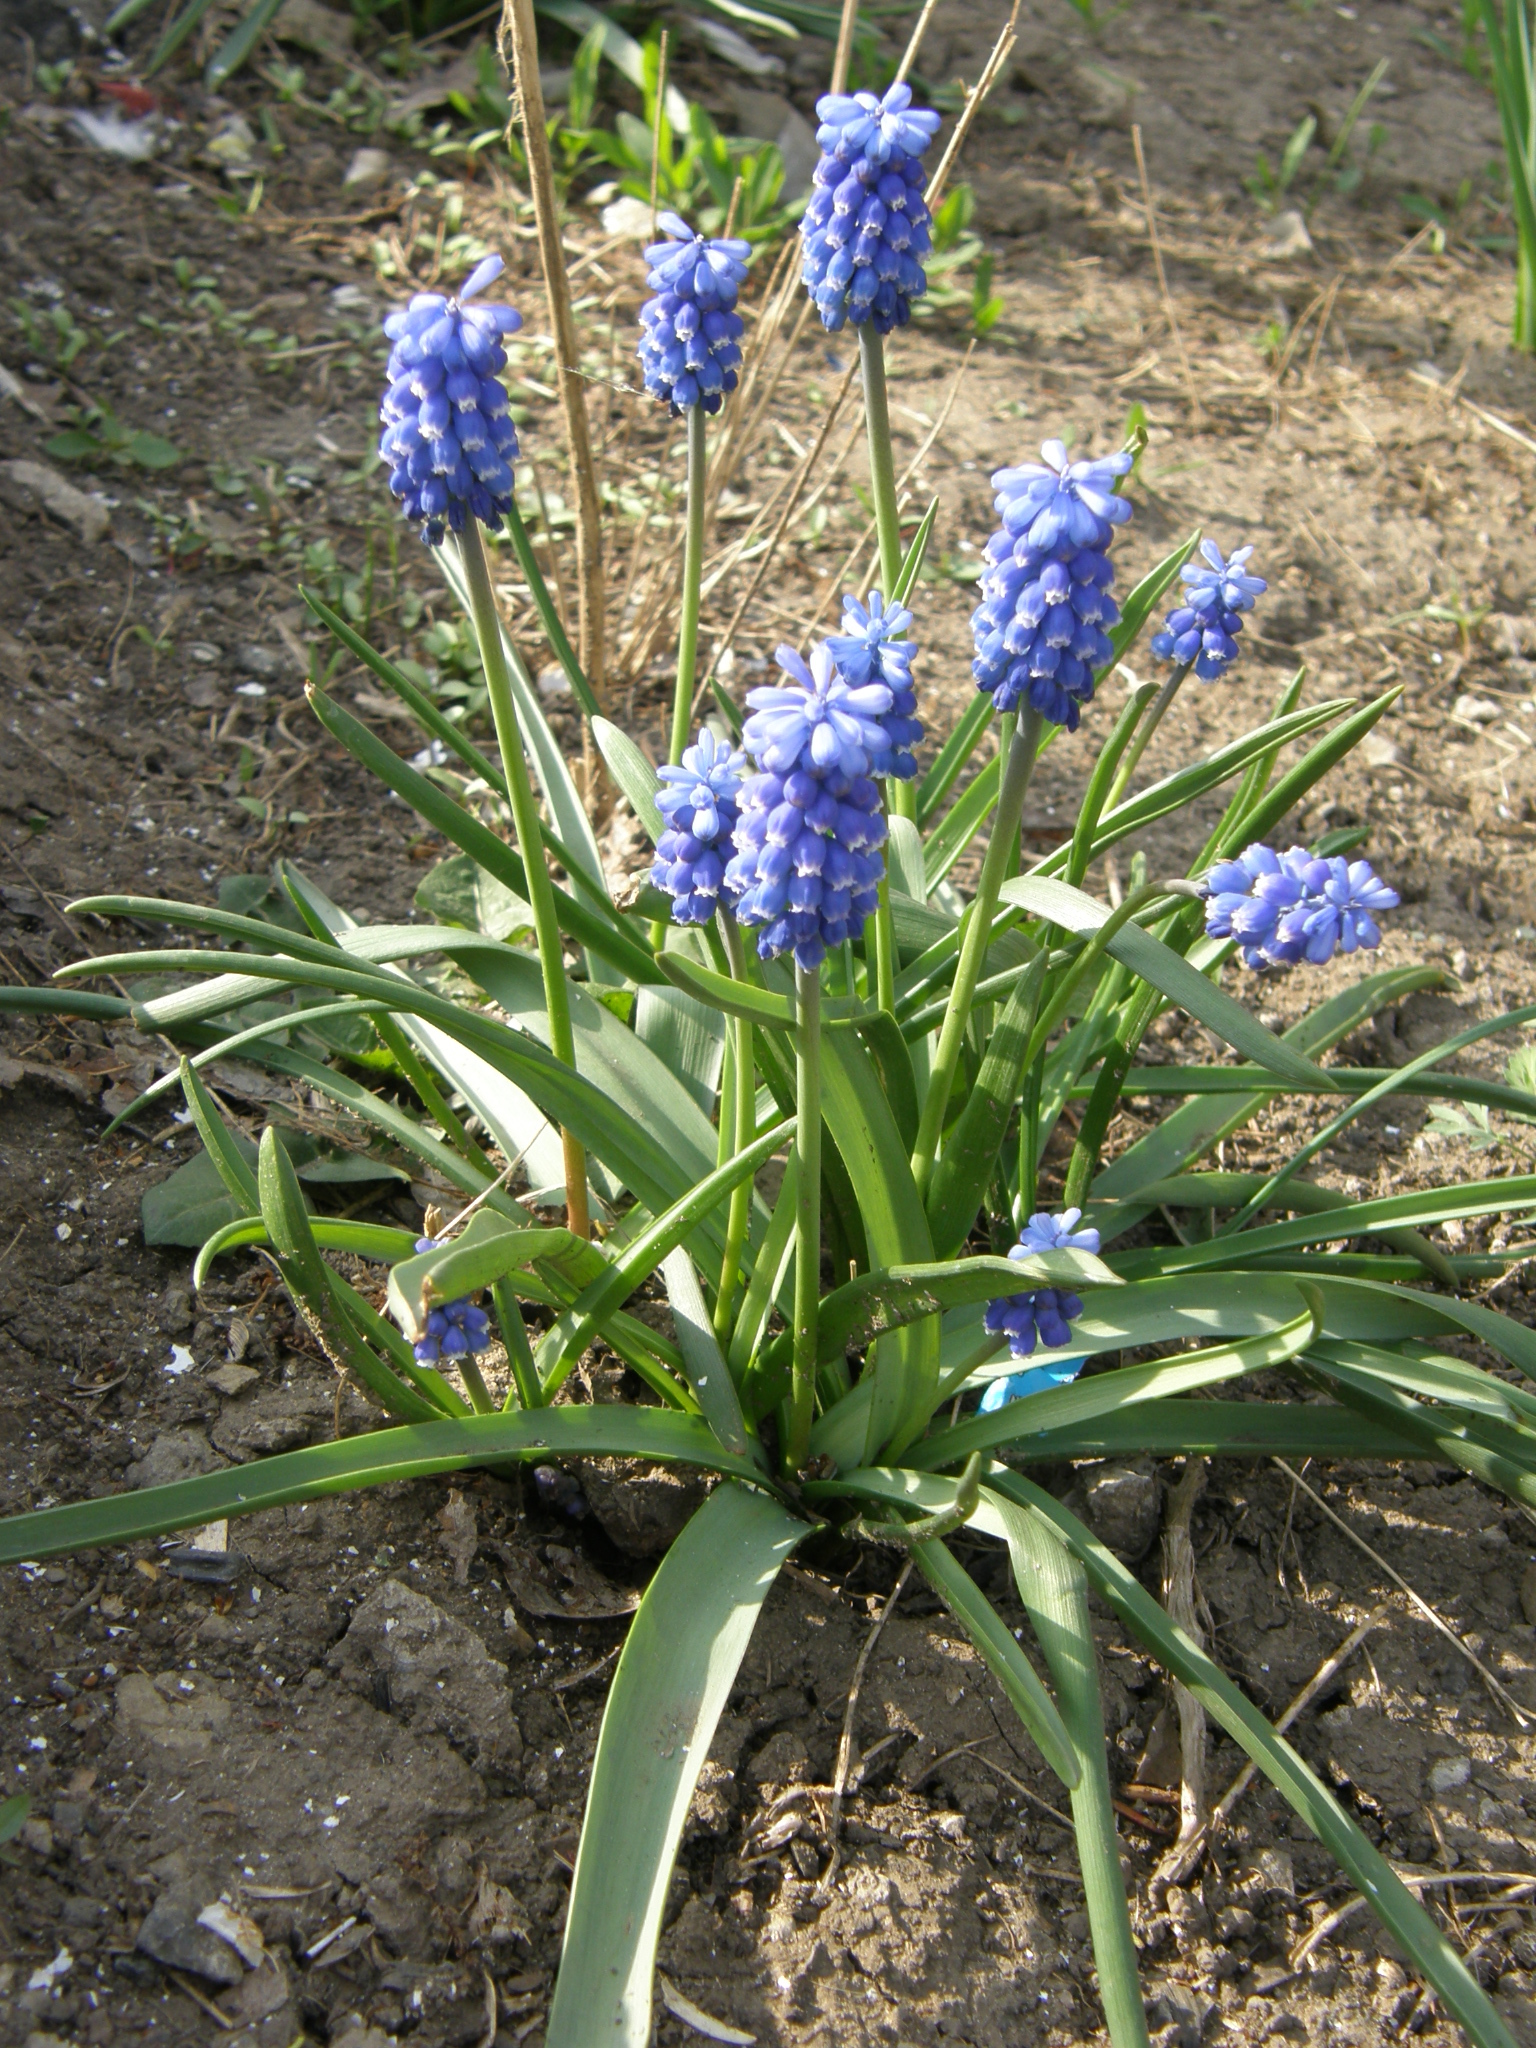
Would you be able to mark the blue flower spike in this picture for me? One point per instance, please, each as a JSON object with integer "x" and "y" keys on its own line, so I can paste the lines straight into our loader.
{"x": 808, "y": 862}
{"x": 1042, "y": 1315}
{"x": 1287, "y": 907}
{"x": 872, "y": 647}
{"x": 700, "y": 801}
{"x": 454, "y": 1329}
{"x": 1204, "y": 629}
{"x": 1041, "y": 629}
{"x": 866, "y": 225}
{"x": 691, "y": 349}
{"x": 448, "y": 437}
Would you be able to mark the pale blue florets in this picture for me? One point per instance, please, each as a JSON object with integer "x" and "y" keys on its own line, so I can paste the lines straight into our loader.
{"x": 692, "y": 344}
{"x": 454, "y": 1329}
{"x": 866, "y": 225}
{"x": 448, "y": 437}
{"x": 1204, "y": 629}
{"x": 1040, "y": 630}
{"x": 872, "y": 647}
{"x": 699, "y": 800}
{"x": 1043, "y": 1314}
{"x": 808, "y": 861}
{"x": 1282, "y": 908}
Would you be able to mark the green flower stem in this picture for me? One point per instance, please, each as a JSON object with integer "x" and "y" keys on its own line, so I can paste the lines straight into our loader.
{"x": 901, "y": 796}
{"x": 530, "y": 842}
{"x": 976, "y": 933}
{"x": 744, "y": 1079}
{"x": 525, "y": 1390}
{"x": 1149, "y": 725}
{"x": 807, "y": 1215}
{"x": 693, "y": 569}
{"x": 885, "y": 942}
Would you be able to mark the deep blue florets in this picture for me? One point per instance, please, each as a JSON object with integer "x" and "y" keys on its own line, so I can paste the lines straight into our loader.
{"x": 1282, "y": 908}
{"x": 454, "y": 1329}
{"x": 1204, "y": 629}
{"x": 1040, "y": 630}
{"x": 692, "y": 344}
{"x": 872, "y": 648}
{"x": 866, "y": 224}
{"x": 1044, "y": 1313}
{"x": 808, "y": 861}
{"x": 698, "y": 799}
{"x": 448, "y": 437}
{"x": 820, "y": 720}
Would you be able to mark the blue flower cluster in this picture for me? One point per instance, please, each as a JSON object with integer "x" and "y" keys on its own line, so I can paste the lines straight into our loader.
{"x": 872, "y": 647}
{"x": 1285, "y": 907}
{"x": 454, "y": 1328}
{"x": 1043, "y": 1314}
{"x": 448, "y": 437}
{"x": 692, "y": 344}
{"x": 808, "y": 861}
{"x": 1204, "y": 629}
{"x": 1040, "y": 627}
{"x": 698, "y": 799}
{"x": 866, "y": 224}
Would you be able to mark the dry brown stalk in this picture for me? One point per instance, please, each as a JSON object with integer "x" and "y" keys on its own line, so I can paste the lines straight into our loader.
{"x": 991, "y": 71}
{"x": 1179, "y": 1602}
{"x": 518, "y": 37}
{"x": 844, "y": 54}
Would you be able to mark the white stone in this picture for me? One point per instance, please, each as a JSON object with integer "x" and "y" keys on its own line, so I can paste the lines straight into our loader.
{"x": 1447, "y": 1772}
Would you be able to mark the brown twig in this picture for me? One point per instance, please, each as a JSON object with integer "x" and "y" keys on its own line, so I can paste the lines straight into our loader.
{"x": 1162, "y": 275}
{"x": 915, "y": 41}
{"x": 518, "y": 36}
{"x": 845, "y": 1741}
{"x": 1179, "y": 1601}
{"x": 661, "y": 109}
{"x": 990, "y": 73}
{"x": 1500, "y": 1692}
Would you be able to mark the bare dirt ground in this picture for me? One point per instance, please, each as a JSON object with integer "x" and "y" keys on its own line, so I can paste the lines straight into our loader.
{"x": 374, "y": 1738}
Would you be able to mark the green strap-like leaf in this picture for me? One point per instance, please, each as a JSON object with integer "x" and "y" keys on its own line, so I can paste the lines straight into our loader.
{"x": 681, "y": 1656}
{"x": 1419, "y": 1940}
{"x": 1054, "y": 1589}
{"x": 248, "y": 32}
{"x": 13, "y": 1814}
{"x": 309, "y": 1280}
{"x": 1190, "y": 1131}
{"x": 633, "y": 773}
{"x": 1083, "y": 1400}
{"x": 703, "y": 1361}
{"x": 960, "y": 1179}
{"x": 486, "y": 1250}
{"x": 1004, "y": 1659}
{"x": 549, "y": 613}
{"x": 1163, "y": 969}
{"x": 912, "y": 561}
{"x": 566, "y": 1339}
{"x": 218, "y": 1143}
{"x": 369, "y": 1240}
{"x": 733, "y": 998}
{"x": 906, "y": 1364}
{"x": 420, "y": 1451}
{"x": 1220, "y": 1429}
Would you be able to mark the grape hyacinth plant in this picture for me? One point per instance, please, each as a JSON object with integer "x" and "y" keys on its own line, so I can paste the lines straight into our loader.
{"x": 1203, "y": 630}
{"x": 813, "y": 1087}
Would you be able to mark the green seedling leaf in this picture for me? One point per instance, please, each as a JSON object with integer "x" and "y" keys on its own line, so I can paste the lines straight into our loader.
{"x": 703, "y": 1361}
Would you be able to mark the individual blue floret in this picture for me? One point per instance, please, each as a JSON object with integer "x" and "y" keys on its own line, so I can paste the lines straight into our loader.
{"x": 866, "y": 226}
{"x": 1041, "y": 629}
{"x": 454, "y": 1329}
{"x": 691, "y": 349}
{"x": 448, "y": 437}
{"x": 699, "y": 800}
{"x": 1283, "y": 908}
{"x": 1204, "y": 629}
{"x": 872, "y": 647}
{"x": 1043, "y": 1314}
